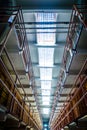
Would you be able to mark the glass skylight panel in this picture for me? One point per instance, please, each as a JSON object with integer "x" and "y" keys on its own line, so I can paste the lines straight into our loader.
{"x": 45, "y": 110}
{"x": 45, "y": 128}
{"x": 46, "y": 103}
{"x": 46, "y": 73}
{"x": 45, "y": 92}
{"x": 45, "y": 85}
{"x": 45, "y": 99}
{"x": 46, "y": 56}
{"x": 46, "y": 38}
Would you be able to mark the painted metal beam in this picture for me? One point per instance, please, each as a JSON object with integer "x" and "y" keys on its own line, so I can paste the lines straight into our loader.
{"x": 57, "y": 44}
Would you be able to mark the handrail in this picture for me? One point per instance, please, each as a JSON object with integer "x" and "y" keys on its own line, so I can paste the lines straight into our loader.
{"x": 79, "y": 14}
{"x": 81, "y": 85}
{"x": 15, "y": 74}
{"x": 13, "y": 69}
{"x": 26, "y": 52}
{"x": 29, "y": 62}
{"x": 72, "y": 27}
{"x": 9, "y": 32}
{"x": 69, "y": 43}
{"x": 72, "y": 109}
{"x": 18, "y": 102}
{"x": 3, "y": 48}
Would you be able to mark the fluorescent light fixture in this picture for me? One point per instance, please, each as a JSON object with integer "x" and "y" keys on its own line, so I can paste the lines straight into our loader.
{"x": 46, "y": 56}
{"x": 46, "y": 85}
{"x": 46, "y": 73}
{"x": 45, "y": 110}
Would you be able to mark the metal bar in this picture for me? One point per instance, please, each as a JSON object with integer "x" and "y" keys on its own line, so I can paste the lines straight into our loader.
{"x": 3, "y": 48}
{"x": 85, "y": 63}
{"x": 8, "y": 73}
{"x": 39, "y": 28}
{"x": 10, "y": 92}
{"x": 17, "y": 102}
{"x": 10, "y": 8}
{"x": 6, "y": 15}
{"x": 28, "y": 55}
{"x": 71, "y": 109}
{"x": 81, "y": 85}
{"x": 12, "y": 100}
{"x": 16, "y": 74}
{"x": 46, "y": 23}
{"x": 13, "y": 68}
{"x": 58, "y": 44}
{"x": 46, "y": 32}
{"x": 5, "y": 41}
{"x": 11, "y": 62}
{"x": 80, "y": 16}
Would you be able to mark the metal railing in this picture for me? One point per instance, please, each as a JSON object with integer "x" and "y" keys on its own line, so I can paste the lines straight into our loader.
{"x": 77, "y": 23}
{"x": 16, "y": 14}
{"x": 77, "y": 105}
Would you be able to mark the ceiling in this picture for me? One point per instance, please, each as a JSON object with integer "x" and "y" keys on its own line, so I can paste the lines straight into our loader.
{"x": 45, "y": 4}
{"x": 46, "y": 24}
{"x": 46, "y": 50}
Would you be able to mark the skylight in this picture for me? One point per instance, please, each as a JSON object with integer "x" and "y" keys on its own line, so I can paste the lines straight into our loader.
{"x": 45, "y": 92}
{"x": 46, "y": 38}
{"x": 46, "y": 111}
{"x": 46, "y": 56}
{"x": 46, "y": 73}
{"x": 45, "y": 128}
{"x": 46, "y": 84}
{"x": 46, "y": 53}
{"x": 46, "y": 99}
{"x": 46, "y": 103}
